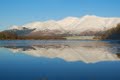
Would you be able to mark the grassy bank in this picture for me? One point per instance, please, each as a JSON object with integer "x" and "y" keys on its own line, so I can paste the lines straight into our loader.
{"x": 79, "y": 37}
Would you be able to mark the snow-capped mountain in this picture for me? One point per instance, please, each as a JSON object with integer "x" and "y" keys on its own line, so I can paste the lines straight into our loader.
{"x": 73, "y": 25}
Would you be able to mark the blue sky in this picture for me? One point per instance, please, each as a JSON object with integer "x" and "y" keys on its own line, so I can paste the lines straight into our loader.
{"x": 19, "y": 12}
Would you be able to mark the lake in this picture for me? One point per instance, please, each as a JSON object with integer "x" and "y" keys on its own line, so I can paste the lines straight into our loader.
{"x": 59, "y": 60}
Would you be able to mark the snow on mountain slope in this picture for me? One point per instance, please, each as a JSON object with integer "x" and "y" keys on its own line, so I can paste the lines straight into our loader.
{"x": 74, "y": 25}
{"x": 51, "y": 25}
{"x": 68, "y": 23}
{"x": 94, "y": 23}
{"x": 16, "y": 27}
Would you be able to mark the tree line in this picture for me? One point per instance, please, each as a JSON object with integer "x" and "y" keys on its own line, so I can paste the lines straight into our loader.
{"x": 113, "y": 34}
{"x": 13, "y": 36}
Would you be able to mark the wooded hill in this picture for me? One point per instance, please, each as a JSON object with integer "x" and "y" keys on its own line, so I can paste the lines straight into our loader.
{"x": 111, "y": 34}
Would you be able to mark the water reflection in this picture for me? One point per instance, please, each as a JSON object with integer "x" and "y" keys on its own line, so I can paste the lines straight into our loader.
{"x": 86, "y": 51}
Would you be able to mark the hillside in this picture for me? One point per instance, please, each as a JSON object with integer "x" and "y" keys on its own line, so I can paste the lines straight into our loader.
{"x": 113, "y": 34}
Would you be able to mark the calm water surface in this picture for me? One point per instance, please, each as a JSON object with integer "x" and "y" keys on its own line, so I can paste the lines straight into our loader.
{"x": 59, "y": 60}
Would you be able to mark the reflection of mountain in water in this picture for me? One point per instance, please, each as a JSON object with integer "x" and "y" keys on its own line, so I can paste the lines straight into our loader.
{"x": 88, "y": 52}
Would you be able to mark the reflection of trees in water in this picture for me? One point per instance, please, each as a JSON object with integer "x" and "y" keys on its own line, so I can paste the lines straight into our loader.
{"x": 115, "y": 45}
{"x": 77, "y": 51}
{"x": 110, "y": 46}
{"x": 52, "y": 46}
{"x": 24, "y": 48}
{"x": 118, "y": 54}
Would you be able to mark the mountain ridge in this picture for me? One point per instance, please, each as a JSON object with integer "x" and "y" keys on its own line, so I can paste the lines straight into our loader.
{"x": 73, "y": 23}
{"x": 89, "y": 25}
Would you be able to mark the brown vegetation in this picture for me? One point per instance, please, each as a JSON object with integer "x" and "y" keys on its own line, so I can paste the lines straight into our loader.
{"x": 113, "y": 33}
{"x": 13, "y": 36}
